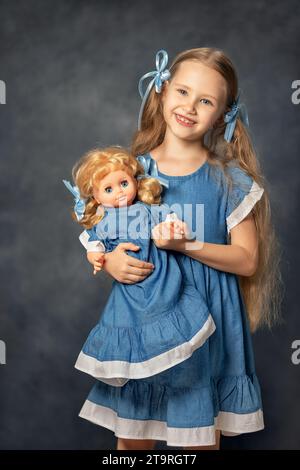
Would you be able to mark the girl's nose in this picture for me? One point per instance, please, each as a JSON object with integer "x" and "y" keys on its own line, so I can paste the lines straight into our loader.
{"x": 190, "y": 106}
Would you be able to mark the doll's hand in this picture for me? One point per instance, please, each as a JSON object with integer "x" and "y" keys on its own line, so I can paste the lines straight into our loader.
{"x": 170, "y": 235}
{"x": 96, "y": 259}
{"x": 179, "y": 229}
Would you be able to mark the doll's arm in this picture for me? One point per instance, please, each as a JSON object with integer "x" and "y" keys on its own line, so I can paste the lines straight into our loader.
{"x": 95, "y": 249}
{"x": 91, "y": 244}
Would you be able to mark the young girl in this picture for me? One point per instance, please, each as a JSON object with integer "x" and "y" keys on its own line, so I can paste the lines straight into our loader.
{"x": 148, "y": 327}
{"x": 192, "y": 126}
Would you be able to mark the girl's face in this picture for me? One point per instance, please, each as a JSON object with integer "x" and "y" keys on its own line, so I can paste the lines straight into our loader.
{"x": 116, "y": 189}
{"x": 193, "y": 100}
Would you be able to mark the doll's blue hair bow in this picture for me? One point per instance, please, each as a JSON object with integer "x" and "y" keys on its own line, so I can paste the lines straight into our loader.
{"x": 150, "y": 169}
{"x": 161, "y": 74}
{"x": 237, "y": 110}
{"x": 79, "y": 206}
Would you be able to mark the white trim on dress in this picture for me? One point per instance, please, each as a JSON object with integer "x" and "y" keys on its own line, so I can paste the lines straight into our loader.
{"x": 119, "y": 372}
{"x": 245, "y": 206}
{"x": 95, "y": 245}
{"x": 229, "y": 424}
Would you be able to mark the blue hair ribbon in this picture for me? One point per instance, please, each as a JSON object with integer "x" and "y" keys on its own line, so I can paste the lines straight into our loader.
{"x": 150, "y": 168}
{"x": 160, "y": 75}
{"x": 79, "y": 206}
{"x": 237, "y": 110}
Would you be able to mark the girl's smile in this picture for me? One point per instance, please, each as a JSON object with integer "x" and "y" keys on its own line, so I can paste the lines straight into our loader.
{"x": 184, "y": 121}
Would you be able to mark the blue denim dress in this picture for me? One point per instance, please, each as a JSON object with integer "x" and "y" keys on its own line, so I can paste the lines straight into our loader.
{"x": 217, "y": 387}
{"x": 150, "y": 326}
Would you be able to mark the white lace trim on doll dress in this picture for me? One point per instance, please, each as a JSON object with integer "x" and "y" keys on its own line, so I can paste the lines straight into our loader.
{"x": 117, "y": 373}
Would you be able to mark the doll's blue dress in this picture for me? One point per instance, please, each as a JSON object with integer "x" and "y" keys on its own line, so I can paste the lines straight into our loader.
{"x": 152, "y": 325}
{"x": 217, "y": 387}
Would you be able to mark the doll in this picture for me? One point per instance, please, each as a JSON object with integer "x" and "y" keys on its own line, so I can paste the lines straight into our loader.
{"x": 147, "y": 327}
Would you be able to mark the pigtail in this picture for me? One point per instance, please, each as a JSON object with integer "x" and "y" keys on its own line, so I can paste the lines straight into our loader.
{"x": 263, "y": 292}
{"x": 149, "y": 191}
{"x": 153, "y": 125}
{"x": 91, "y": 216}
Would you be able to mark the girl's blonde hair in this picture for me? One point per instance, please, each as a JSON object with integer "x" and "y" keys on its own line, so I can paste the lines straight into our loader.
{"x": 263, "y": 291}
{"x": 95, "y": 165}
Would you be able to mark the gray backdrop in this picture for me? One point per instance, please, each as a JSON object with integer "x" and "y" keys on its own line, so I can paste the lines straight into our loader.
{"x": 71, "y": 70}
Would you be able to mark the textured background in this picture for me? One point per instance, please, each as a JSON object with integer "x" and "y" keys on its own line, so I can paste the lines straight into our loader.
{"x": 71, "y": 69}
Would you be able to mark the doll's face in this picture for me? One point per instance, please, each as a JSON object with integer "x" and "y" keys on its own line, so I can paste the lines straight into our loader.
{"x": 197, "y": 93}
{"x": 116, "y": 189}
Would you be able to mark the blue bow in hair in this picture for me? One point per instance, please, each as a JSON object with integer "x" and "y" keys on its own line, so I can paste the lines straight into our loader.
{"x": 237, "y": 110}
{"x": 160, "y": 75}
{"x": 150, "y": 169}
{"x": 79, "y": 206}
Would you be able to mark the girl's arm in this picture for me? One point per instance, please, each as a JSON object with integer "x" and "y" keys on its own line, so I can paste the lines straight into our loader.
{"x": 240, "y": 257}
{"x": 117, "y": 263}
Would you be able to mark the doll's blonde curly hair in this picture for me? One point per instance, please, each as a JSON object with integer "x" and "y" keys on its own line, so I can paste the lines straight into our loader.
{"x": 99, "y": 162}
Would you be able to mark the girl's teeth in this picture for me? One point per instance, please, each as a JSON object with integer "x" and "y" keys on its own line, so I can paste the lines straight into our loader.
{"x": 184, "y": 120}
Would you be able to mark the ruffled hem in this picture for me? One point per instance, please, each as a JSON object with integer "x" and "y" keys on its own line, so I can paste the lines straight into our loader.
{"x": 117, "y": 373}
{"x": 236, "y": 393}
{"x": 230, "y": 424}
{"x": 181, "y": 416}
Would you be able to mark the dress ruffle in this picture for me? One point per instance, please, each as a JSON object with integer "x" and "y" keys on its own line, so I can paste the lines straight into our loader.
{"x": 117, "y": 354}
{"x": 180, "y": 416}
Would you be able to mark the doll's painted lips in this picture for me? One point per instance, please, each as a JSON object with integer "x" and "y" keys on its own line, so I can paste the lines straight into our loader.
{"x": 122, "y": 199}
{"x": 184, "y": 121}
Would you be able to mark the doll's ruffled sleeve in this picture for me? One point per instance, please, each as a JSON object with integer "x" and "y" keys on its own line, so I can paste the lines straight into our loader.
{"x": 241, "y": 197}
{"x": 91, "y": 241}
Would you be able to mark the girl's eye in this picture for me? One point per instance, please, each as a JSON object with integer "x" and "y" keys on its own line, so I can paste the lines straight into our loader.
{"x": 206, "y": 101}
{"x": 124, "y": 184}
{"x": 108, "y": 189}
{"x": 182, "y": 92}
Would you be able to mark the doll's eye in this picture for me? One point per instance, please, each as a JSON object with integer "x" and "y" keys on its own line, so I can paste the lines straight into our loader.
{"x": 108, "y": 189}
{"x": 124, "y": 184}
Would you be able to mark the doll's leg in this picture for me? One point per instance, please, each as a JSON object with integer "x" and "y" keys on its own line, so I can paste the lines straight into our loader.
{"x": 135, "y": 444}
{"x": 214, "y": 447}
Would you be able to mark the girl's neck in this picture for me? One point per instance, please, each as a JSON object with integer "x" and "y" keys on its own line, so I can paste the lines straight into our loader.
{"x": 180, "y": 151}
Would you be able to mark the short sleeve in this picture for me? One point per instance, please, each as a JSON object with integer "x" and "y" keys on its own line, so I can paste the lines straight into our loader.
{"x": 91, "y": 241}
{"x": 241, "y": 197}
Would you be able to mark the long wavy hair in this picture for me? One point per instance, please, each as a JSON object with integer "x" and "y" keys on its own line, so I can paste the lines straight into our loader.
{"x": 95, "y": 165}
{"x": 262, "y": 292}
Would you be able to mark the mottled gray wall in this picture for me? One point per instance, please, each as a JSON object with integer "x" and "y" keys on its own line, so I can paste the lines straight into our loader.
{"x": 71, "y": 70}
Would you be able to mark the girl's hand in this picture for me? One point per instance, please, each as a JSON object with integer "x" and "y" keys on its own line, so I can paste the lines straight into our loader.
{"x": 125, "y": 268}
{"x": 96, "y": 259}
{"x": 171, "y": 235}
